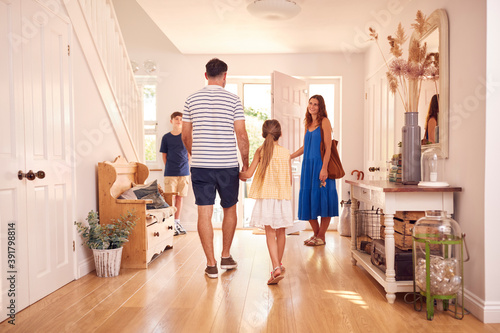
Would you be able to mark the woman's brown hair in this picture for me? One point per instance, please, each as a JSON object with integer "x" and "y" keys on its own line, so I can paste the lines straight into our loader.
{"x": 321, "y": 113}
{"x": 433, "y": 110}
{"x": 271, "y": 131}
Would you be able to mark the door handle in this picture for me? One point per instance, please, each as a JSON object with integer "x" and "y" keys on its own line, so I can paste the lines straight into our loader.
{"x": 373, "y": 169}
{"x": 30, "y": 175}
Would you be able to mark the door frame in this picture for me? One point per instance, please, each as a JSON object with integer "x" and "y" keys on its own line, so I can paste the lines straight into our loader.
{"x": 337, "y": 129}
{"x": 240, "y": 80}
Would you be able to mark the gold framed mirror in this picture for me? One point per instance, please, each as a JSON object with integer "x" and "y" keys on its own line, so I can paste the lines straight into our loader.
{"x": 435, "y": 94}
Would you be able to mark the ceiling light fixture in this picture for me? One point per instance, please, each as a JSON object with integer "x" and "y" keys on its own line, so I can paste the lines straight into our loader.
{"x": 274, "y": 9}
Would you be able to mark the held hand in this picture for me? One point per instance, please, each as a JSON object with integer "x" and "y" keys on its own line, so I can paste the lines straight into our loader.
{"x": 243, "y": 177}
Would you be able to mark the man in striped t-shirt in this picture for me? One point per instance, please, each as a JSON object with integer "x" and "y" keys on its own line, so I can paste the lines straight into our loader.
{"x": 210, "y": 120}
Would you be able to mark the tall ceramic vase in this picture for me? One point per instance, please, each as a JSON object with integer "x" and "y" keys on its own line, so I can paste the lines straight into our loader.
{"x": 411, "y": 149}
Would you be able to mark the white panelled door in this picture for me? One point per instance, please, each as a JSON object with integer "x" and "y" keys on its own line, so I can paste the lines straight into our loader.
{"x": 48, "y": 148}
{"x": 12, "y": 190}
{"x": 289, "y": 103}
{"x": 35, "y": 81}
{"x": 379, "y": 126}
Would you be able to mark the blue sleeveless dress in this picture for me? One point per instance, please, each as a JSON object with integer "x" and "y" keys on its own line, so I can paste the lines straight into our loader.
{"x": 314, "y": 200}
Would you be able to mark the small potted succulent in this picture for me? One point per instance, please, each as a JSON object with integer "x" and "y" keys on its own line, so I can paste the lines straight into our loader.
{"x": 106, "y": 241}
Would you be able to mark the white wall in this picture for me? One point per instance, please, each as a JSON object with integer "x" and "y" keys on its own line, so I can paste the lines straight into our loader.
{"x": 492, "y": 227}
{"x": 95, "y": 142}
{"x": 466, "y": 164}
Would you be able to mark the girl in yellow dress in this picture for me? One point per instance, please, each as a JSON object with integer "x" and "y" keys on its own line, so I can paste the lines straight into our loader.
{"x": 272, "y": 189}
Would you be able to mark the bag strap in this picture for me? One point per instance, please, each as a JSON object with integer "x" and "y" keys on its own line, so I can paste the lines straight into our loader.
{"x": 322, "y": 144}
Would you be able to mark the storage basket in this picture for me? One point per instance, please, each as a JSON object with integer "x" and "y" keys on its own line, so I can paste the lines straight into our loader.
{"x": 367, "y": 228}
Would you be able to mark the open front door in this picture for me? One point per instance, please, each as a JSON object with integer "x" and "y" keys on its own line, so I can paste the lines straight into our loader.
{"x": 289, "y": 103}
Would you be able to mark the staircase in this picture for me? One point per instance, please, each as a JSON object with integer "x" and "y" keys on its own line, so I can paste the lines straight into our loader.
{"x": 96, "y": 27}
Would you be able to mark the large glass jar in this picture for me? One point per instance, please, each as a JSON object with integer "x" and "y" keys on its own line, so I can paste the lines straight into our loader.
{"x": 438, "y": 254}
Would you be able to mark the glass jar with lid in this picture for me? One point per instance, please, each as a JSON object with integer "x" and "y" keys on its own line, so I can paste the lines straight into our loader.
{"x": 438, "y": 259}
{"x": 433, "y": 168}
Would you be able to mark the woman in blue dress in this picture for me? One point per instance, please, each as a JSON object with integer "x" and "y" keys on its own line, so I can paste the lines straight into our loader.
{"x": 318, "y": 194}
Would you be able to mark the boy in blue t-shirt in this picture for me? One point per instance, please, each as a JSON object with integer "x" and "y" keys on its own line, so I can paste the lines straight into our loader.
{"x": 176, "y": 160}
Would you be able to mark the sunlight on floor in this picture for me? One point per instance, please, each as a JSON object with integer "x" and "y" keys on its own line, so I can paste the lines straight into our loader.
{"x": 350, "y": 295}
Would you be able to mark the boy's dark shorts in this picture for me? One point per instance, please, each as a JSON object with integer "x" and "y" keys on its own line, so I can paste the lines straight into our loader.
{"x": 207, "y": 181}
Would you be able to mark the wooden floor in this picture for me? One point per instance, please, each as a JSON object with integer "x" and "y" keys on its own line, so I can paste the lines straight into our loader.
{"x": 322, "y": 292}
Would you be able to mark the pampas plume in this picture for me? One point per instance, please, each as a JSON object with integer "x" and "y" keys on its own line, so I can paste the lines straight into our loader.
{"x": 400, "y": 35}
{"x": 421, "y": 24}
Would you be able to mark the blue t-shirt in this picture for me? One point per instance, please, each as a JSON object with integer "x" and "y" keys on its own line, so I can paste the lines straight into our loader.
{"x": 177, "y": 156}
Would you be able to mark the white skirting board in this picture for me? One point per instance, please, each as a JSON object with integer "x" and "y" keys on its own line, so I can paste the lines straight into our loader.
{"x": 85, "y": 267}
{"x": 487, "y": 312}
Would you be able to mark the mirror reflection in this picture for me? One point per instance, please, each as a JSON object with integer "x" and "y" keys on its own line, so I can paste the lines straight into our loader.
{"x": 431, "y": 122}
{"x": 433, "y": 101}
{"x": 428, "y": 109}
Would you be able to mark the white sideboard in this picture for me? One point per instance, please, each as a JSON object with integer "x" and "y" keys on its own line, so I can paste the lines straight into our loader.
{"x": 392, "y": 197}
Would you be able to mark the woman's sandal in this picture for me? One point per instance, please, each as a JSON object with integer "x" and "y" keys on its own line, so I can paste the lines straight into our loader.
{"x": 310, "y": 239}
{"x": 282, "y": 269}
{"x": 275, "y": 278}
{"x": 316, "y": 242}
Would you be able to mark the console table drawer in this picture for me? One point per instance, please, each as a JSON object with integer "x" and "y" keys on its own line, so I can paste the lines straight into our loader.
{"x": 362, "y": 194}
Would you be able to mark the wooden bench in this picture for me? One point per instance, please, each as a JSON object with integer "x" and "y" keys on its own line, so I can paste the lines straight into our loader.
{"x": 151, "y": 235}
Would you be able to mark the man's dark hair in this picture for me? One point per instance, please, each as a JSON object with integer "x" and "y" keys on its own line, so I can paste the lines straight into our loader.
{"x": 175, "y": 114}
{"x": 215, "y": 67}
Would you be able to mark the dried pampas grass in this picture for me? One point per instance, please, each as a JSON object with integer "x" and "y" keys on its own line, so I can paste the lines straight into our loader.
{"x": 419, "y": 66}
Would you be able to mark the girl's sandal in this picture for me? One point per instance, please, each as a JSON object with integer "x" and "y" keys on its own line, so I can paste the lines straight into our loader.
{"x": 275, "y": 278}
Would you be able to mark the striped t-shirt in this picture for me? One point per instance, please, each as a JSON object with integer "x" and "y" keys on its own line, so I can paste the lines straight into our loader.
{"x": 212, "y": 112}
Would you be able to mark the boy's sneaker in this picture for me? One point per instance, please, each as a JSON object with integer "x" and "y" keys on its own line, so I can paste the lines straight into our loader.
{"x": 212, "y": 272}
{"x": 179, "y": 230}
{"x": 228, "y": 263}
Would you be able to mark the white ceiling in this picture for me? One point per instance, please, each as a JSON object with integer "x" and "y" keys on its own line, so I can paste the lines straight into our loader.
{"x": 225, "y": 26}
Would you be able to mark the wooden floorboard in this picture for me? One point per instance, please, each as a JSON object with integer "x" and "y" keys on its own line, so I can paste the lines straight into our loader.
{"x": 321, "y": 292}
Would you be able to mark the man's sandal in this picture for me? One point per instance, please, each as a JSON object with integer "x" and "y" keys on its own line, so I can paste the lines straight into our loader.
{"x": 275, "y": 278}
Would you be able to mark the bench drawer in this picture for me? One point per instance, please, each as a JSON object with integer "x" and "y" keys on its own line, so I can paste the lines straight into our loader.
{"x": 158, "y": 232}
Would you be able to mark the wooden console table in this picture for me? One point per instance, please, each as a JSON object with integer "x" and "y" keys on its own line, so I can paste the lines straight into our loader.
{"x": 391, "y": 197}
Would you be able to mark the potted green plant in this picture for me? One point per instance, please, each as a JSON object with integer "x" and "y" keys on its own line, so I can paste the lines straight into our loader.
{"x": 106, "y": 241}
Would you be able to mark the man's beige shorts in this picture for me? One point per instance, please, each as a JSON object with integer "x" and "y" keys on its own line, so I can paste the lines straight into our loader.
{"x": 178, "y": 185}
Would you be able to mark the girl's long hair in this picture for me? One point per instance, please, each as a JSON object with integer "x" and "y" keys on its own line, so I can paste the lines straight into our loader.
{"x": 433, "y": 110}
{"x": 321, "y": 113}
{"x": 271, "y": 131}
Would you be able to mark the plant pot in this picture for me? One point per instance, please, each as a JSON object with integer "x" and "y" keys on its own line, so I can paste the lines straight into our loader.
{"x": 411, "y": 149}
{"x": 107, "y": 262}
